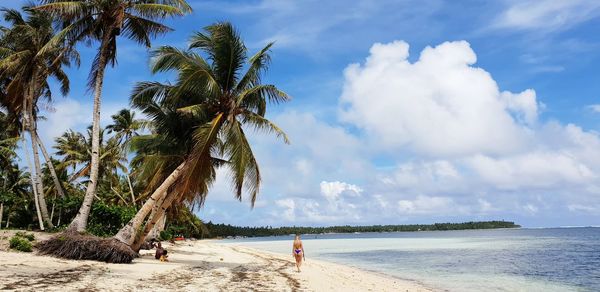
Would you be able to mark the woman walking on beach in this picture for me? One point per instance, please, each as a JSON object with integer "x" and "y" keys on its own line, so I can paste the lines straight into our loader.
{"x": 298, "y": 251}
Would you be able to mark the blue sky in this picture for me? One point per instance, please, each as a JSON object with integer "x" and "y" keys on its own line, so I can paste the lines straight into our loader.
{"x": 404, "y": 111}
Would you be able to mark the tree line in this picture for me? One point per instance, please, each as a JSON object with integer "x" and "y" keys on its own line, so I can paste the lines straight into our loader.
{"x": 226, "y": 230}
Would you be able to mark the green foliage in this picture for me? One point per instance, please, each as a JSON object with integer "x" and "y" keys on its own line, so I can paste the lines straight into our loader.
{"x": 185, "y": 222}
{"x": 106, "y": 220}
{"x": 166, "y": 235}
{"x": 222, "y": 230}
{"x": 21, "y": 244}
{"x": 28, "y": 236}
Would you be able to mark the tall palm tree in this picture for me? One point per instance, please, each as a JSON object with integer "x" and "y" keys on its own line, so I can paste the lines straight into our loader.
{"x": 30, "y": 56}
{"x": 126, "y": 126}
{"x": 220, "y": 98}
{"x": 104, "y": 21}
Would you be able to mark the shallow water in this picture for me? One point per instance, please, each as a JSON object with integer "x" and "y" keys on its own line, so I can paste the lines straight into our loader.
{"x": 553, "y": 259}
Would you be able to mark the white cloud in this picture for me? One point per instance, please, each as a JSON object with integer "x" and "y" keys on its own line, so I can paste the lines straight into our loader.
{"x": 69, "y": 113}
{"x": 440, "y": 105}
{"x": 333, "y": 190}
{"x": 547, "y": 14}
{"x": 594, "y": 107}
{"x": 425, "y": 205}
{"x": 532, "y": 170}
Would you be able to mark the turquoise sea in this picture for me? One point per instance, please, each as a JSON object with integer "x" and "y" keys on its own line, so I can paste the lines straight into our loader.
{"x": 548, "y": 259}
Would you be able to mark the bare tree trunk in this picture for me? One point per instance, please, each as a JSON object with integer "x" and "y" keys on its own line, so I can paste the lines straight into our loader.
{"x": 127, "y": 234}
{"x": 80, "y": 221}
{"x": 130, "y": 188}
{"x": 158, "y": 215}
{"x": 50, "y": 164}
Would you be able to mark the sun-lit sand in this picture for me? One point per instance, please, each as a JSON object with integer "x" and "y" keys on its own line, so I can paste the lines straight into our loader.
{"x": 194, "y": 266}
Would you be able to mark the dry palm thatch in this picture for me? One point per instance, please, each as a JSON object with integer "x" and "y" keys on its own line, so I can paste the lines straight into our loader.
{"x": 72, "y": 245}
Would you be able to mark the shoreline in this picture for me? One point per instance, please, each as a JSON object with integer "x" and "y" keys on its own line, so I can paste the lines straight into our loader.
{"x": 379, "y": 274}
{"x": 202, "y": 265}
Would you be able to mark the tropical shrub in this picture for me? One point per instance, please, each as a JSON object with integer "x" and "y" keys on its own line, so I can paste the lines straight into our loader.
{"x": 21, "y": 244}
{"x": 106, "y": 220}
{"x": 166, "y": 235}
{"x": 28, "y": 236}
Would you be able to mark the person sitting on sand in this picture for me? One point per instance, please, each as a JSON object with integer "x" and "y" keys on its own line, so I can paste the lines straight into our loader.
{"x": 159, "y": 251}
{"x": 298, "y": 251}
{"x": 164, "y": 256}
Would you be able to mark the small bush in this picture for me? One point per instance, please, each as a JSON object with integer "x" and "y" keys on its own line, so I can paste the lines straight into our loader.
{"x": 20, "y": 244}
{"x": 28, "y": 236}
{"x": 166, "y": 235}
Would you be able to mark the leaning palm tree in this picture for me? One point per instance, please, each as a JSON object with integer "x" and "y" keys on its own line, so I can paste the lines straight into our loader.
{"x": 105, "y": 21}
{"x": 30, "y": 56}
{"x": 224, "y": 99}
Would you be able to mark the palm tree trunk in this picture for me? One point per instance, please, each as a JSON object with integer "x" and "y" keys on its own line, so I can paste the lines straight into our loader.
{"x": 1, "y": 213}
{"x": 2, "y": 203}
{"x": 8, "y": 218}
{"x": 80, "y": 221}
{"x": 130, "y": 188}
{"x": 38, "y": 175}
{"x": 33, "y": 185}
{"x": 50, "y": 164}
{"x": 158, "y": 215}
{"x": 128, "y": 232}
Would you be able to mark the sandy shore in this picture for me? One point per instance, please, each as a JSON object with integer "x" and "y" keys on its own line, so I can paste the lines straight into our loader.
{"x": 194, "y": 266}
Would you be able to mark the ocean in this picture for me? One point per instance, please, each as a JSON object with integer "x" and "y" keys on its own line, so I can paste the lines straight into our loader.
{"x": 548, "y": 259}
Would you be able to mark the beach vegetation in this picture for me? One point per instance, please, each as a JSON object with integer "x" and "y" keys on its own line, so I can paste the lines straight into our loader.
{"x": 28, "y": 236}
{"x": 20, "y": 243}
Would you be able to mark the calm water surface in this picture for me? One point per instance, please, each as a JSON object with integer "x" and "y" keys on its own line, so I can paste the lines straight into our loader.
{"x": 553, "y": 259}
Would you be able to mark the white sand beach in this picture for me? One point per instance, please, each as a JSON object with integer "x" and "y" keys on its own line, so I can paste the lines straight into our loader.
{"x": 206, "y": 265}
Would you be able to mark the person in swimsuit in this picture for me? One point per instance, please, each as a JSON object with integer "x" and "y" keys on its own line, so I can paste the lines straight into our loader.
{"x": 298, "y": 251}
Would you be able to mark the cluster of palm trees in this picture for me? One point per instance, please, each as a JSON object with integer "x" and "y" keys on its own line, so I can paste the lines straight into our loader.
{"x": 194, "y": 125}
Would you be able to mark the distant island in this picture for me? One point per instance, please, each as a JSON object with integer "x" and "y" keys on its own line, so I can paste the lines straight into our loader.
{"x": 226, "y": 230}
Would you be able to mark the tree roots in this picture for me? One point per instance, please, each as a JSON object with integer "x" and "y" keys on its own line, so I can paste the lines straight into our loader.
{"x": 75, "y": 246}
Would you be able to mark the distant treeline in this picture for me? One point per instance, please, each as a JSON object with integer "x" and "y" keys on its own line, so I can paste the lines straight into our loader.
{"x": 223, "y": 230}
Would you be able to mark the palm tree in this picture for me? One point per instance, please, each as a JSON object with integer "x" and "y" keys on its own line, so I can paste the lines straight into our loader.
{"x": 30, "y": 56}
{"x": 14, "y": 190}
{"x": 8, "y": 142}
{"x": 104, "y": 21}
{"x": 125, "y": 127}
{"x": 213, "y": 91}
{"x": 75, "y": 148}
{"x": 7, "y": 153}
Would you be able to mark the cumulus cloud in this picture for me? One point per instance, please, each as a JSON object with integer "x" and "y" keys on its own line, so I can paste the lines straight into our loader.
{"x": 440, "y": 105}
